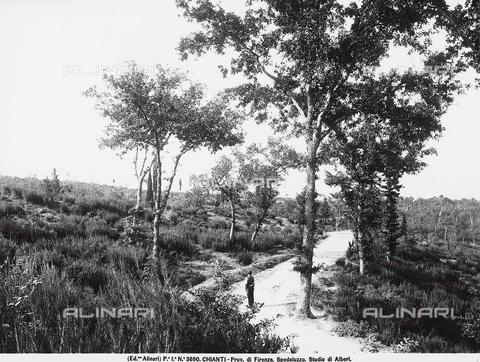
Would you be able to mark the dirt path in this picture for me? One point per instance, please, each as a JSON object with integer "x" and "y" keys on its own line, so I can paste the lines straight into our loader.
{"x": 277, "y": 288}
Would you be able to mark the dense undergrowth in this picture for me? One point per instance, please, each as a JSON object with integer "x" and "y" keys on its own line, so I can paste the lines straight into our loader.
{"x": 434, "y": 276}
{"x": 77, "y": 251}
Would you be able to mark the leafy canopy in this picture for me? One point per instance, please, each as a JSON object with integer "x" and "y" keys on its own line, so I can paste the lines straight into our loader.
{"x": 154, "y": 110}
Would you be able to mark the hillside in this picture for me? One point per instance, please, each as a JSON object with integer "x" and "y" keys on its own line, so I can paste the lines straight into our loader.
{"x": 429, "y": 276}
{"x": 79, "y": 250}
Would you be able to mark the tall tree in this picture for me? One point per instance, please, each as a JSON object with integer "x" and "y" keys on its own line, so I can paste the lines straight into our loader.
{"x": 401, "y": 150}
{"x": 359, "y": 184}
{"x": 163, "y": 111}
{"x": 311, "y": 61}
{"x": 376, "y": 153}
{"x": 462, "y": 23}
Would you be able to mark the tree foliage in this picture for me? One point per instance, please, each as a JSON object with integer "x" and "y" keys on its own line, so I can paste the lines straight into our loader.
{"x": 163, "y": 112}
{"x": 311, "y": 68}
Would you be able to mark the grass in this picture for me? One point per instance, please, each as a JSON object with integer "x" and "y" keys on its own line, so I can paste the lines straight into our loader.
{"x": 414, "y": 279}
{"x": 72, "y": 252}
{"x": 245, "y": 258}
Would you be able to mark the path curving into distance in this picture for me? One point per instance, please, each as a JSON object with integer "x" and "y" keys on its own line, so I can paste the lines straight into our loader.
{"x": 278, "y": 288}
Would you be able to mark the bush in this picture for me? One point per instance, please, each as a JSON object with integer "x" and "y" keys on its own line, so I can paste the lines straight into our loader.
{"x": 216, "y": 325}
{"x": 70, "y": 225}
{"x": 22, "y": 232}
{"x": 7, "y": 250}
{"x": 98, "y": 227}
{"x": 85, "y": 207}
{"x": 245, "y": 258}
{"x": 34, "y": 198}
{"x": 7, "y": 190}
{"x": 127, "y": 259}
{"x": 181, "y": 241}
{"x": 18, "y": 192}
{"x": 49, "y": 258}
{"x": 471, "y": 328}
{"x": 354, "y": 329}
{"x": 412, "y": 280}
{"x": 49, "y": 333}
{"x": 406, "y": 345}
{"x": 8, "y": 209}
{"x": 220, "y": 224}
{"x": 88, "y": 274}
{"x": 266, "y": 241}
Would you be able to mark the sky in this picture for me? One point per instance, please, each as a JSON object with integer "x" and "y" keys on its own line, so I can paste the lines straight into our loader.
{"x": 53, "y": 50}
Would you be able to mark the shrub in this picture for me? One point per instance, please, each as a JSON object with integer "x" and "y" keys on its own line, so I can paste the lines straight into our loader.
{"x": 22, "y": 232}
{"x": 406, "y": 345}
{"x": 245, "y": 257}
{"x": 64, "y": 209}
{"x": 88, "y": 274}
{"x": 354, "y": 329}
{"x": 98, "y": 227}
{"x": 216, "y": 325}
{"x": 181, "y": 241}
{"x": 8, "y": 209}
{"x": 18, "y": 192}
{"x": 7, "y": 190}
{"x": 266, "y": 241}
{"x": 7, "y": 250}
{"x": 54, "y": 187}
{"x": 471, "y": 328}
{"x": 110, "y": 217}
{"x": 34, "y": 198}
{"x": 127, "y": 259}
{"x": 220, "y": 224}
{"x": 189, "y": 211}
{"x": 70, "y": 200}
{"x": 49, "y": 258}
{"x": 85, "y": 207}
{"x": 414, "y": 279}
{"x": 70, "y": 225}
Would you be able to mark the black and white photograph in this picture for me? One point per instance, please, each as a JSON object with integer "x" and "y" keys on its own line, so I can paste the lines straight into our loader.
{"x": 240, "y": 180}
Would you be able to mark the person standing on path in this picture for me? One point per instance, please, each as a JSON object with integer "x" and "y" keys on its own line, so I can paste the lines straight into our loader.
{"x": 249, "y": 286}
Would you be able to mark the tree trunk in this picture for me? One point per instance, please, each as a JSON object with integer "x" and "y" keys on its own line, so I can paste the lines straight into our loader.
{"x": 154, "y": 185}
{"x": 139, "y": 200}
{"x": 158, "y": 202}
{"x": 149, "y": 199}
{"x": 361, "y": 258}
{"x": 254, "y": 236}
{"x": 231, "y": 236}
{"x": 161, "y": 198}
{"x": 308, "y": 243}
{"x": 257, "y": 228}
